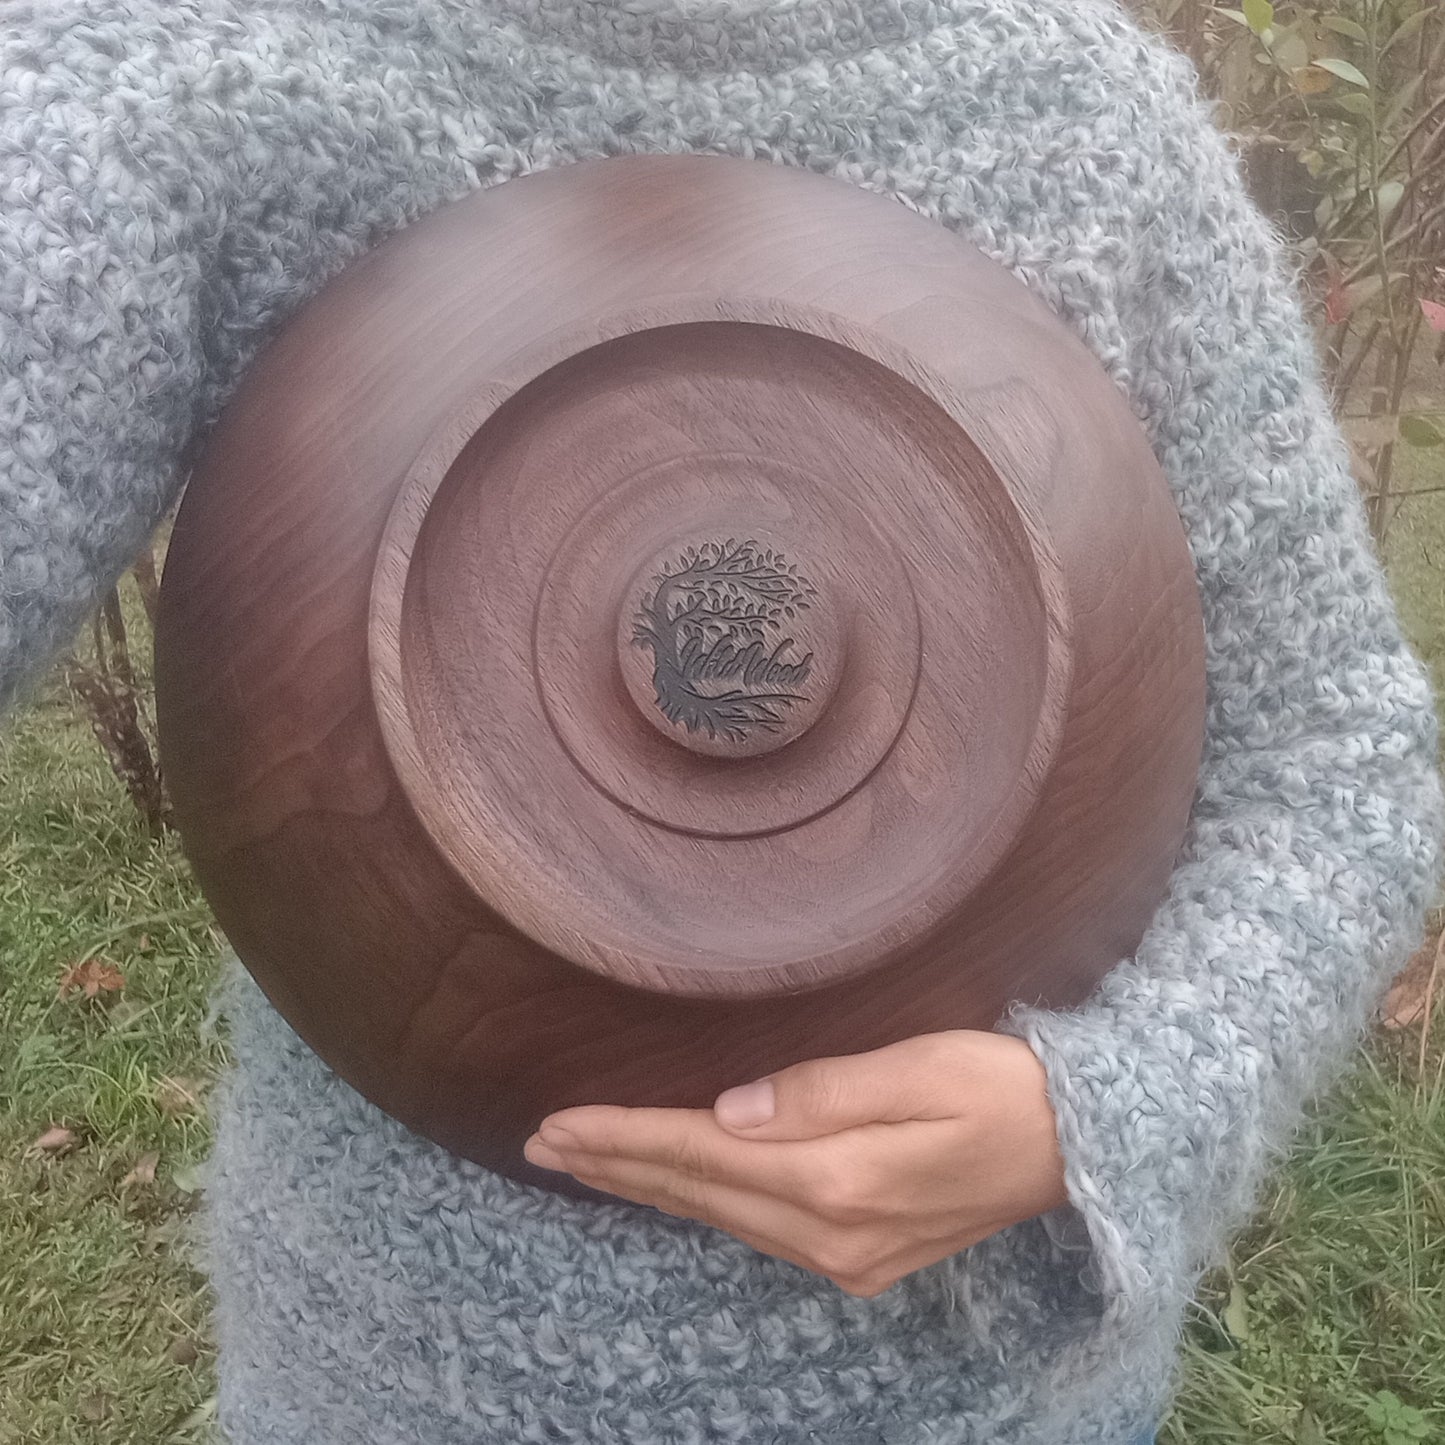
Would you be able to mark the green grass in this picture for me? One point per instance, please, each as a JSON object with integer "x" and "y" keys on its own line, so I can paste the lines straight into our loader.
{"x": 1415, "y": 555}
{"x": 1337, "y": 1292}
{"x": 103, "y": 1313}
{"x": 1334, "y": 1295}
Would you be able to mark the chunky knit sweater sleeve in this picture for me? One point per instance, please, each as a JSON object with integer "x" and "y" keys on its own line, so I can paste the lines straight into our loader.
{"x": 177, "y": 175}
{"x": 1314, "y": 843}
{"x": 163, "y": 200}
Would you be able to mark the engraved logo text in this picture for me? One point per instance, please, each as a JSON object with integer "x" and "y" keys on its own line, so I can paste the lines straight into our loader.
{"x": 716, "y": 622}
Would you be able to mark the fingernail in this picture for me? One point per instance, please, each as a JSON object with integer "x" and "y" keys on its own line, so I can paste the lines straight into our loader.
{"x": 746, "y": 1106}
{"x": 536, "y": 1152}
{"x": 556, "y": 1136}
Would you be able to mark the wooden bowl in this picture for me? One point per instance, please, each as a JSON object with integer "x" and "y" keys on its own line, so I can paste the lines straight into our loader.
{"x": 662, "y": 619}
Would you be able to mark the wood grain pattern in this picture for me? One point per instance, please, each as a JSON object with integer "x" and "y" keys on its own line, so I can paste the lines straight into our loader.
{"x": 662, "y": 619}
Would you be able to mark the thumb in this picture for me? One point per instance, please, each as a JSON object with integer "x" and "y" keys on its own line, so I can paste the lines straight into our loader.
{"x": 825, "y": 1096}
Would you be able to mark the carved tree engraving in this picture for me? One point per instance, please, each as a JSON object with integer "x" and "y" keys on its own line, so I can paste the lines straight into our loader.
{"x": 716, "y": 622}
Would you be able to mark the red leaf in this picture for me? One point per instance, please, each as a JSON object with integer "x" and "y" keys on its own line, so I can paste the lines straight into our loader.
{"x": 92, "y": 978}
{"x": 1338, "y": 302}
{"x": 1434, "y": 314}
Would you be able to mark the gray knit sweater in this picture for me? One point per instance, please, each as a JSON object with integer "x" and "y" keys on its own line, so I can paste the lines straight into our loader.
{"x": 177, "y": 175}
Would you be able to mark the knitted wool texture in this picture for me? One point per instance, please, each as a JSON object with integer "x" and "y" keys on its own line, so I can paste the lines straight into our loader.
{"x": 177, "y": 175}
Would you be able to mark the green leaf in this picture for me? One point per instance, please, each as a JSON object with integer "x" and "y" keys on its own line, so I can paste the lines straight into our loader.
{"x": 1343, "y": 26}
{"x": 1420, "y": 433}
{"x": 1236, "y": 1313}
{"x": 189, "y": 1178}
{"x": 1388, "y": 197}
{"x": 1408, "y": 27}
{"x": 1258, "y": 15}
{"x": 1291, "y": 52}
{"x": 1344, "y": 70}
{"x": 1355, "y": 103}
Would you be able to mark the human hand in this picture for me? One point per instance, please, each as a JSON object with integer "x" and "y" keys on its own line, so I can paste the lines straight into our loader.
{"x": 862, "y": 1168}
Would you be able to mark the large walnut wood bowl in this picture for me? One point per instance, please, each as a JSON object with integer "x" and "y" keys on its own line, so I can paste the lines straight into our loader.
{"x": 665, "y": 618}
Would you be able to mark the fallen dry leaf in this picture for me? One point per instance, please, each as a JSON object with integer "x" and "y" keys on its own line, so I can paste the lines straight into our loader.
{"x": 144, "y": 1171}
{"x": 1411, "y": 993}
{"x": 55, "y": 1140}
{"x": 93, "y": 977}
{"x": 94, "y": 1407}
{"x": 183, "y": 1351}
{"x": 178, "y": 1095}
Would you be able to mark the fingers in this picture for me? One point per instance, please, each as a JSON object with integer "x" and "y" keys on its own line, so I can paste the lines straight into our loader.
{"x": 679, "y": 1160}
{"x": 839, "y": 1240}
{"x": 735, "y": 1208}
{"x": 846, "y": 1178}
{"x": 684, "y": 1142}
{"x": 901, "y": 1082}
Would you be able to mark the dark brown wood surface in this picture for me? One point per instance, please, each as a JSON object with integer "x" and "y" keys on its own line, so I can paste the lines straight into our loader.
{"x": 662, "y": 619}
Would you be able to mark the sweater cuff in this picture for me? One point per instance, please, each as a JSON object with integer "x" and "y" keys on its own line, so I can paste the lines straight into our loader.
{"x": 1185, "y": 1076}
{"x": 1118, "y": 1208}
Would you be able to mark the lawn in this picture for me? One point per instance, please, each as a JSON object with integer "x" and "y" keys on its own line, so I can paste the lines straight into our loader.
{"x": 103, "y": 1314}
{"x": 1327, "y": 1324}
